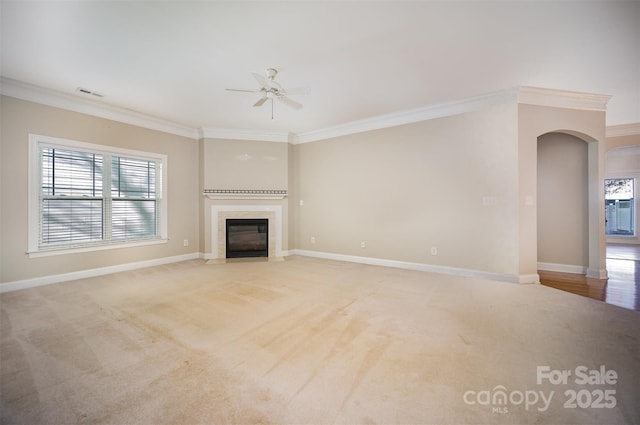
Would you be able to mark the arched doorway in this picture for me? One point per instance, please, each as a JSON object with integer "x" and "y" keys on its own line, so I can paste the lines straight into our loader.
{"x": 563, "y": 203}
{"x": 570, "y": 219}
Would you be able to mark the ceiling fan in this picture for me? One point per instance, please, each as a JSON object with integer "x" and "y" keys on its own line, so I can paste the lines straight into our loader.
{"x": 271, "y": 90}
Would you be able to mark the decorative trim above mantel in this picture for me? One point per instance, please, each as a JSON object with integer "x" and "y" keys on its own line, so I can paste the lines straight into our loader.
{"x": 221, "y": 194}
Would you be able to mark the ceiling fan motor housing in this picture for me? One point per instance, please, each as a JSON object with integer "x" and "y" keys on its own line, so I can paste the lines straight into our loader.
{"x": 271, "y": 73}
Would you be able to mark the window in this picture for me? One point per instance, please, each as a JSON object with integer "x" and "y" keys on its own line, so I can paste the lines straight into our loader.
{"x": 86, "y": 197}
{"x": 619, "y": 207}
{"x": 133, "y": 193}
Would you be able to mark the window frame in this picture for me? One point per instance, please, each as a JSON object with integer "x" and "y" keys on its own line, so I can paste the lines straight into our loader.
{"x": 34, "y": 193}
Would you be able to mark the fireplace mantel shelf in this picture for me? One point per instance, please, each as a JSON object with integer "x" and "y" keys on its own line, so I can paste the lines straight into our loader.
{"x": 220, "y": 194}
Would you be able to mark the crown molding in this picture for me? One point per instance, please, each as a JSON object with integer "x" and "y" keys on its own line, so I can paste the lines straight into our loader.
{"x": 429, "y": 112}
{"x": 520, "y": 95}
{"x": 44, "y": 96}
{"x": 562, "y": 99}
{"x": 623, "y": 130}
{"x": 238, "y": 134}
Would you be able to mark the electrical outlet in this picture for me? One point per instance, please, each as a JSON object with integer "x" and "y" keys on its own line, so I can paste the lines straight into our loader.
{"x": 313, "y": 239}
{"x": 434, "y": 250}
{"x": 185, "y": 242}
{"x": 363, "y": 244}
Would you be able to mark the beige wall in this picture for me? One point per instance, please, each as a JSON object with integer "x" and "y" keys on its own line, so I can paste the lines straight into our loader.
{"x": 201, "y": 199}
{"x": 387, "y": 188}
{"x": 292, "y": 211}
{"x": 19, "y": 118}
{"x": 563, "y": 220}
{"x": 449, "y": 183}
{"x": 245, "y": 164}
{"x": 622, "y": 141}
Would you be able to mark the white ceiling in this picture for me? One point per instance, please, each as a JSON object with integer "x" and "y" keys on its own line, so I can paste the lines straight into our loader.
{"x": 360, "y": 59}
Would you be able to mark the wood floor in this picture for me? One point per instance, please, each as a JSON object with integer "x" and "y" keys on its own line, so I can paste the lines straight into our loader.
{"x": 621, "y": 289}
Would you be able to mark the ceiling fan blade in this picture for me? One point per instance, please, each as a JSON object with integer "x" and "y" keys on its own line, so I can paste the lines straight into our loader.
{"x": 261, "y": 101}
{"x": 262, "y": 80}
{"x": 245, "y": 90}
{"x": 290, "y": 102}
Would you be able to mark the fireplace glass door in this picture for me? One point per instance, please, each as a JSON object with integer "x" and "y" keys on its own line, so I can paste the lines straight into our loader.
{"x": 247, "y": 238}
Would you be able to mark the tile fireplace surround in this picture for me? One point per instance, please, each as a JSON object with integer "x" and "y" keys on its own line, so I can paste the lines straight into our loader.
{"x": 220, "y": 213}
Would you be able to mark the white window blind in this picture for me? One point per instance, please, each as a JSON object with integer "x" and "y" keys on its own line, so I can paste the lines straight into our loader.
{"x": 133, "y": 190}
{"x": 72, "y": 204}
{"x": 88, "y": 196}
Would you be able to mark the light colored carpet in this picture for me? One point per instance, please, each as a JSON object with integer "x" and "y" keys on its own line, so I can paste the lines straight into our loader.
{"x": 308, "y": 341}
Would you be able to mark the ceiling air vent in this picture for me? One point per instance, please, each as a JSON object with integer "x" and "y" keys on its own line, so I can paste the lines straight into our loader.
{"x": 92, "y": 93}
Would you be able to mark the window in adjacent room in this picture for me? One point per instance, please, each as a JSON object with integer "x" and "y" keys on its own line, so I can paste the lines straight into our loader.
{"x": 619, "y": 207}
{"x": 86, "y": 196}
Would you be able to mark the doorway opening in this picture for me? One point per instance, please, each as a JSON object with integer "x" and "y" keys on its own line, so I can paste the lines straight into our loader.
{"x": 619, "y": 207}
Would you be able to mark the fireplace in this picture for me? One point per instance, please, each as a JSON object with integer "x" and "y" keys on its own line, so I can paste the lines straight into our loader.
{"x": 247, "y": 237}
{"x": 221, "y": 213}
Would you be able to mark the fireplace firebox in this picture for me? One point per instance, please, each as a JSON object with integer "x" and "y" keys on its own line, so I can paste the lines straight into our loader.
{"x": 247, "y": 237}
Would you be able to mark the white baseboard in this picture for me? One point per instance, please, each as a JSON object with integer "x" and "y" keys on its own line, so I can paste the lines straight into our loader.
{"x": 562, "y": 268}
{"x": 503, "y": 277}
{"x": 82, "y": 274}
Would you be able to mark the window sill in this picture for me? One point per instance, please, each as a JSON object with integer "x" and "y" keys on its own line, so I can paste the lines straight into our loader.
{"x": 36, "y": 253}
